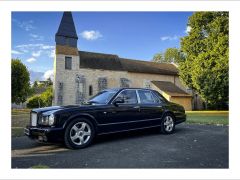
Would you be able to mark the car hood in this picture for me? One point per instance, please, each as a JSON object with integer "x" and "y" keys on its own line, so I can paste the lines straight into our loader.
{"x": 59, "y": 108}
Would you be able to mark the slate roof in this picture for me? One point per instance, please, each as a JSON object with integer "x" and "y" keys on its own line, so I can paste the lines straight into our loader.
{"x": 67, "y": 27}
{"x": 113, "y": 62}
{"x": 170, "y": 88}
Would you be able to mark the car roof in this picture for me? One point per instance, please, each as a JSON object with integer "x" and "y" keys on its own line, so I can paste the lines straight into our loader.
{"x": 118, "y": 89}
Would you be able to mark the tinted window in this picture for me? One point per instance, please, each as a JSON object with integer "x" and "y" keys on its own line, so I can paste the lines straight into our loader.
{"x": 103, "y": 97}
{"x": 159, "y": 96}
{"x": 129, "y": 96}
{"x": 68, "y": 62}
{"x": 146, "y": 97}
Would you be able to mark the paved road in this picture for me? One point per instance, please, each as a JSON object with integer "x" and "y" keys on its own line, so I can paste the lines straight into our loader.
{"x": 191, "y": 146}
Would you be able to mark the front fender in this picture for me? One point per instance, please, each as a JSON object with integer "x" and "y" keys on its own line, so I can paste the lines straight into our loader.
{"x": 79, "y": 115}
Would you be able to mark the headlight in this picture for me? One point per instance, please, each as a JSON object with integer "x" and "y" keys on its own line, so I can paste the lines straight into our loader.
{"x": 47, "y": 120}
{"x": 51, "y": 119}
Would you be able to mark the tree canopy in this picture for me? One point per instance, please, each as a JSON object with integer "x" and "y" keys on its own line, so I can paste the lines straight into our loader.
{"x": 158, "y": 58}
{"x": 20, "y": 81}
{"x": 206, "y": 54}
{"x": 171, "y": 55}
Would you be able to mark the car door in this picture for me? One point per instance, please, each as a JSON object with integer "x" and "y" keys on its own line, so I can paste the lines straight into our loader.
{"x": 125, "y": 115}
{"x": 150, "y": 108}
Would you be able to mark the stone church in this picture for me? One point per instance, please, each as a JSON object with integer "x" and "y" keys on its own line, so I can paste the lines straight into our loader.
{"x": 78, "y": 75}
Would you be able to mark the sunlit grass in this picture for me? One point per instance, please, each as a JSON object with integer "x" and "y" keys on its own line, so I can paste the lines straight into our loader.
{"x": 208, "y": 117}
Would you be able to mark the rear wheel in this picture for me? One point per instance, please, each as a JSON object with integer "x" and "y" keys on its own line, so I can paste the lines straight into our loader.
{"x": 168, "y": 124}
{"x": 79, "y": 134}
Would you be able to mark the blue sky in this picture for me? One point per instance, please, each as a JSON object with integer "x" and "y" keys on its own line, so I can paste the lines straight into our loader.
{"x": 135, "y": 35}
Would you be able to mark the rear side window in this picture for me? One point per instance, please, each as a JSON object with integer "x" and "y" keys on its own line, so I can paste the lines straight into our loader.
{"x": 146, "y": 97}
{"x": 159, "y": 97}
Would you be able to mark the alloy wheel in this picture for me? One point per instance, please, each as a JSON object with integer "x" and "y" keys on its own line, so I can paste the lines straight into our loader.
{"x": 80, "y": 133}
{"x": 168, "y": 123}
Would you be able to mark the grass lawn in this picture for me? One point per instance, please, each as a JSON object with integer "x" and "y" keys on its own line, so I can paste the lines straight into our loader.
{"x": 207, "y": 117}
{"x": 20, "y": 118}
{"x": 39, "y": 167}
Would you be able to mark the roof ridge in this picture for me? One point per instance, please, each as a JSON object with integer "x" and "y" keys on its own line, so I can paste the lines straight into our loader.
{"x": 99, "y": 53}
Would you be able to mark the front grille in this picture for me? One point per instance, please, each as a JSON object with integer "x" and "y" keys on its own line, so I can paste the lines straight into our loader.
{"x": 33, "y": 119}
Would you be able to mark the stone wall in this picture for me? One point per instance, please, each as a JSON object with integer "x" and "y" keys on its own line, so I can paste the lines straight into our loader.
{"x": 73, "y": 85}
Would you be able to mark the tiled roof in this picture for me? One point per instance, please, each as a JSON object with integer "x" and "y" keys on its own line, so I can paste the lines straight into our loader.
{"x": 170, "y": 88}
{"x": 113, "y": 62}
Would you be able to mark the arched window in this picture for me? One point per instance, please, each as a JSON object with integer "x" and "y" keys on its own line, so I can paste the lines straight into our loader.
{"x": 90, "y": 90}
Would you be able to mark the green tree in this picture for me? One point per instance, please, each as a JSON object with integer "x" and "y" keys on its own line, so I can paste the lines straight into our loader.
{"x": 158, "y": 58}
{"x": 49, "y": 82}
{"x": 205, "y": 48}
{"x": 35, "y": 84}
{"x": 173, "y": 55}
{"x": 20, "y": 81}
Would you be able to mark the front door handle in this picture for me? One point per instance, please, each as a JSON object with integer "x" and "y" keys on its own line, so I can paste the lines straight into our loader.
{"x": 136, "y": 107}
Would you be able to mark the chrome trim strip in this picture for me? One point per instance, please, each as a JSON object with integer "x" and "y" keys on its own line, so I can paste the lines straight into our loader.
{"x": 131, "y": 121}
{"x": 128, "y": 130}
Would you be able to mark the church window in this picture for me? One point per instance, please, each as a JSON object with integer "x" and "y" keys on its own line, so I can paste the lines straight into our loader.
{"x": 80, "y": 89}
{"x": 124, "y": 83}
{"x": 90, "y": 90}
{"x": 147, "y": 84}
{"x": 60, "y": 93}
{"x": 68, "y": 63}
{"x": 102, "y": 83}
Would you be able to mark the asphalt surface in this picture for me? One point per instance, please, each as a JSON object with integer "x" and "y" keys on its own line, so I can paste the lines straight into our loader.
{"x": 191, "y": 146}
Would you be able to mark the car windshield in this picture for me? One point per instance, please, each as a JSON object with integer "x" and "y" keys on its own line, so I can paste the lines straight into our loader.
{"x": 102, "y": 97}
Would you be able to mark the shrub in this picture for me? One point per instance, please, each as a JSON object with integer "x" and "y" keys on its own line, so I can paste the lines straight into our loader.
{"x": 35, "y": 102}
{"x": 47, "y": 97}
{"x": 42, "y": 100}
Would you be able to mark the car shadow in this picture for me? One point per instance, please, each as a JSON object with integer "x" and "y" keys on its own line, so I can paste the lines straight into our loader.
{"x": 136, "y": 134}
{"x": 29, "y": 147}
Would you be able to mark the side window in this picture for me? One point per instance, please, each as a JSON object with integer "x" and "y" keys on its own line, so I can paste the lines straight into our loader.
{"x": 129, "y": 96}
{"x": 146, "y": 97}
{"x": 159, "y": 97}
{"x": 68, "y": 63}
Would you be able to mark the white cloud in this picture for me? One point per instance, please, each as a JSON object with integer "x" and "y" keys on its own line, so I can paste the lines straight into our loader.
{"x": 91, "y": 35}
{"x": 188, "y": 29}
{"x": 36, "y": 50}
{"x": 52, "y": 53}
{"x": 16, "y": 52}
{"x": 169, "y": 38}
{"x": 37, "y": 53}
{"x": 47, "y": 47}
{"x": 26, "y": 25}
{"x": 30, "y": 60}
{"x": 36, "y": 37}
{"x": 48, "y": 74}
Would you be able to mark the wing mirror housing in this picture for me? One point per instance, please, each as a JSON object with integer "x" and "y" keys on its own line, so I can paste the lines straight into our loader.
{"x": 118, "y": 101}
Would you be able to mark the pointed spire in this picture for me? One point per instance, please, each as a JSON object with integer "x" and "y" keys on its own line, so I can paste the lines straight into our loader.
{"x": 67, "y": 27}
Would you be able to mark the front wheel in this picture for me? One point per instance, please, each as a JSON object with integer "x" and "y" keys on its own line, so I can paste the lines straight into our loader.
{"x": 79, "y": 134}
{"x": 168, "y": 124}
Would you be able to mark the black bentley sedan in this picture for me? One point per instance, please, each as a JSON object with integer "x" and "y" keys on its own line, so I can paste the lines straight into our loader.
{"x": 110, "y": 111}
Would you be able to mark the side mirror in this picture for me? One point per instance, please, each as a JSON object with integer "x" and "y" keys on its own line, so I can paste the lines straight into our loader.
{"x": 118, "y": 101}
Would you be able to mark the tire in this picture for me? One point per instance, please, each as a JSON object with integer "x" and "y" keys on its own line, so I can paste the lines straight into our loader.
{"x": 79, "y": 133}
{"x": 168, "y": 124}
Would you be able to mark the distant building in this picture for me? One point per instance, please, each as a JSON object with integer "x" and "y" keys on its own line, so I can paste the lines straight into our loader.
{"x": 79, "y": 75}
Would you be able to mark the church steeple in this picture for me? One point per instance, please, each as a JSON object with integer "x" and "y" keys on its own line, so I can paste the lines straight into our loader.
{"x": 66, "y": 34}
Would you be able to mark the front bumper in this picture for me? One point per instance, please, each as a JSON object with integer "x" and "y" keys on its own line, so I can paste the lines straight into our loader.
{"x": 180, "y": 119}
{"x": 46, "y": 134}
